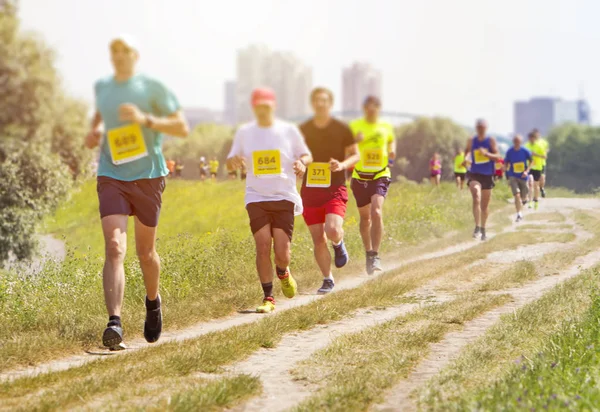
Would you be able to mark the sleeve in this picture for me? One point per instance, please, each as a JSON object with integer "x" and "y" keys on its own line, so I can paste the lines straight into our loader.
{"x": 164, "y": 102}
{"x": 529, "y": 157}
{"x": 299, "y": 146}
{"x": 348, "y": 137}
{"x": 236, "y": 147}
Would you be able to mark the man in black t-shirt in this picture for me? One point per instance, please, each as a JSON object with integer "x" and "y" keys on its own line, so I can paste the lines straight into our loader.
{"x": 324, "y": 193}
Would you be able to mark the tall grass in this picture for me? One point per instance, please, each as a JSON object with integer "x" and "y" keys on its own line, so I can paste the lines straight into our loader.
{"x": 207, "y": 256}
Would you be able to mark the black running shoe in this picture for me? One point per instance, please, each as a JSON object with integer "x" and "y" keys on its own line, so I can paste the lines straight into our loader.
{"x": 112, "y": 337}
{"x": 543, "y": 192}
{"x": 477, "y": 232}
{"x": 483, "y": 235}
{"x": 370, "y": 263}
{"x": 153, "y": 324}
{"x": 326, "y": 287}
{"x": 341, "y": 255}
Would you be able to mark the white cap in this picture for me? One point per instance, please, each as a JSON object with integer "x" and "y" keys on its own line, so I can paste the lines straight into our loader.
{"x": 127, "y": 39}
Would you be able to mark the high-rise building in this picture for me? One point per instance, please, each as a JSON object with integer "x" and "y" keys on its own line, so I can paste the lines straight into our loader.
{"x": 229, "y": 111}
{"x": 282, "y": 71}
{"x": 359, "y": 81}
{"x": 544, "y": 113}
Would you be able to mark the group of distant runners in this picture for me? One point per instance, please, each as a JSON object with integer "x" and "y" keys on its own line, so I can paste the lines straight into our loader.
{"x": 133, "y": 112}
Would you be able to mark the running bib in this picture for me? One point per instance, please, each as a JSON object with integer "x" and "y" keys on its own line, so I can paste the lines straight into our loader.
{"x": 519, "y": 167}
{"x": 318, "y": 175}
{"x": 437, "y": 166}
{"x": 373, "y": 159}
{"x": 266, "y": 163}
{"x": 480, "y": 157}
{"x": 126, "y": 144}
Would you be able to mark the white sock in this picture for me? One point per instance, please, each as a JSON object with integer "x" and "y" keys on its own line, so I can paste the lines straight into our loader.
{"x": 336, "y": 244}
{"x": 520, "y": 214}
{"x": 330, "y": 277}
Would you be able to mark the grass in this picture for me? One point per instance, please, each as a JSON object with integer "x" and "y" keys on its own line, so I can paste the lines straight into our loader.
{"x": 517, "y": 337}
{"x": 561, "y": 226}
{"x": 518, "y": 274}
{"x": 551, "y": 217}
{"x": 357, "y": 368}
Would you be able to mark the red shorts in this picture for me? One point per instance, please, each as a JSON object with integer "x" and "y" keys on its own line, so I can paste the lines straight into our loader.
{"x": 321, "y": 202}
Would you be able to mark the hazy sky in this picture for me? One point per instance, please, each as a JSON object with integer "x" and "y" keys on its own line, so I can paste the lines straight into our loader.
{"x": 460, "y": 58}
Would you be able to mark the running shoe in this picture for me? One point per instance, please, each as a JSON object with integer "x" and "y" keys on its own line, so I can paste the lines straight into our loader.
{"x": 519, "y": 218}
{"x": 267, "y": 306}
{"x": 543, "y": 192}
{"x": 483, "y": 235}
{"x": 112, "y": 338}
{"x": 341, "y": 255}
{"x": 377, "y": 264}
{"x": 529, "y": 205}
{"x": 326, "y": 287}
{"x": 477, "y": 232}
{"x": 289, "y": 287}
{"x": 536, "y": 205}
{"x": 153, "y": 323}
{"x": 370, "y": 263}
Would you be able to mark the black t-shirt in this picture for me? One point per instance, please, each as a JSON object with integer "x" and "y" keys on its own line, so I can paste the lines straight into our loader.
{"x": 328, "y": 143}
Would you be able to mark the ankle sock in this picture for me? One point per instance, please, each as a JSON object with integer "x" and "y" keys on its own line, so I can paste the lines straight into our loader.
{"x": 114, "y": 320}
{"x": 152, "y": 304}
{"x": 267, "y": 289}
{"x": 280, "y": 272}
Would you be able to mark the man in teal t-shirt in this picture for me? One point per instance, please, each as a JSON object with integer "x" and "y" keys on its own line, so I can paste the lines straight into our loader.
{"x": 135, "y": 110}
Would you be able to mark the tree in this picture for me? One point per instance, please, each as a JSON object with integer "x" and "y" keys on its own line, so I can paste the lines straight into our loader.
{"x": 420, "y": 139}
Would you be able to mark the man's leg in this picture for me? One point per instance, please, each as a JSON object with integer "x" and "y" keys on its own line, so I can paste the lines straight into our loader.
{"x": 264, "y": 240}
{"x": 518, "y": 203}
{"x": 376, "y": 221}
{"x": 145, "y": 245}
{"x": 530, "y": 186}
{"x": 334, "y": 227}
{"x": 438, "y": 179}
{"x": 113, "y": 275}
{"x": 475, "y": 188}
{"x": 486, "y": 195}
{"x": 322, "y": 255}
{"x": 457, "y": 180}
{"x": 365, "y": 226}
{"x": 282, "y": 248}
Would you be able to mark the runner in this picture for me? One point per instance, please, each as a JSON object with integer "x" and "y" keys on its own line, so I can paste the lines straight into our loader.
{"x": 214, "y": 167}
{"x": 517, "y": 164}
{"x": 178, "y": 167}
{"x": 484, "y": 153}
{"x": 276, "y": 153}
{"x": 324, "y": 192}
{"x": 231, "y": 173}
{"x": 136, "y": 110}
{"x": 546, "y": 148}
{"x": 499, "y": 172}
{"x": 435, "y": 169}
{"x": 460, "y": 171}
{"x": 371, "y": 176}
{"x": 538, "y": 152}
{"x": 243, "y": 172}
{"x": 203, "y": 168}
{"x": 171, "y": 167}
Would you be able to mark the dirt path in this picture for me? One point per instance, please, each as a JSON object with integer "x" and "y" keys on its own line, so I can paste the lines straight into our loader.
{"x": 50, "y": 249}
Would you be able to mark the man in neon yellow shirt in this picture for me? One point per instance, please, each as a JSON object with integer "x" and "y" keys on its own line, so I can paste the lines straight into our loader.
{"x": 544, "y": 143}
{"x": 371, "y": 176}
{"x": 460, "y": 171}
{"x": 538, "y": 153}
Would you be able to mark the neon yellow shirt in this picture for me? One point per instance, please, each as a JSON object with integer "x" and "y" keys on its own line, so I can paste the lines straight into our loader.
{"x": 539, "y": 149}
{"x": 546, "y": 147}
{"x": 373, "y": 140}
{"x": 458, "y": 163}
{"x": 214, "y": 166}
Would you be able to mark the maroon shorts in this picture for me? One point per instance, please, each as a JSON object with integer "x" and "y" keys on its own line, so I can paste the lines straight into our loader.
{"x": 279, "y": 214}
{"x": 141, "y": 198}
{"x": 364, "y": 190}
{"x": 319, "y": 202}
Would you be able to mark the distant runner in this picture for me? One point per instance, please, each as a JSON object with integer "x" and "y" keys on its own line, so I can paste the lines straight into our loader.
{"x": 276, "y": 153}
{"x": 324, "y": 192}
{"x": 214, "y": 167}
{"x": 371, "y": 176}
{"x": 499, "y": 172}
{"x": 484, "y": 153}
{"x": 203, "y": 168}
{"x": 435, "y": 169}
{"x": 136, "y": 110}
{"x": 231, "y": 173}
{"x": 544, "y": 143}
{"x": 460, "y": 170}
{"x": 178, "y": 167}
{"x": 538, "y": 152}
{"x": 517, "y": 163}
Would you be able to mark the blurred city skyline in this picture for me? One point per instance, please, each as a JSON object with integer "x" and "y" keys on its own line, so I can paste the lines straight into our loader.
{"x": 463, "y": 59}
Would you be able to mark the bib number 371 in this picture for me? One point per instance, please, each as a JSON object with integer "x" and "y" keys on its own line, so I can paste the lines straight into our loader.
{"x": 318, "y": 175}
{"x": 266, "y": 163}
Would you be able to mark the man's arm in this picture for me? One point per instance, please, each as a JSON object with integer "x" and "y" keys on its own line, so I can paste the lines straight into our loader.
{"x": 352, "y": 156}
{"x": 173, "y": 125}
{"x": 493, "y": 154}
{"x": 93, "y": 138}
{"x": 467, "y": 151}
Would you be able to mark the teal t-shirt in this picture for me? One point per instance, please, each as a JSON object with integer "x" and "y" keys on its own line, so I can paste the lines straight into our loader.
{"x": 150, "y": 96}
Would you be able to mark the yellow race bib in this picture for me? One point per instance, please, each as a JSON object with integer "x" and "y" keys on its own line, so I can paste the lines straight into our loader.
{"x": 126, "y": 144}
{"x": 266, "y": 163}
{"x": 480, "y": 157}
{"x": 373, "y": 159}
{"x": 519, "y": 167}
{"x": 318, "y": 175}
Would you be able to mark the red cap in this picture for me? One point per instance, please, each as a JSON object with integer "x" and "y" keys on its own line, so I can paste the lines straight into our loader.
{"x": 263, "y": 95}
